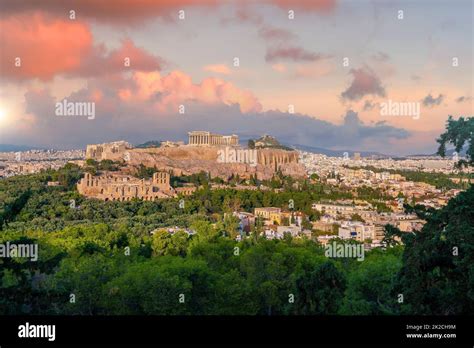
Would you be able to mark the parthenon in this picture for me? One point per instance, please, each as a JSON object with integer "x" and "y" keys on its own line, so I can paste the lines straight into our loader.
{"x": 202, "y": 138}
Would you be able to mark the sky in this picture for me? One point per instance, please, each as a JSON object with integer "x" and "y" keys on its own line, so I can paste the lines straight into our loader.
{"x": 310, "y": 72}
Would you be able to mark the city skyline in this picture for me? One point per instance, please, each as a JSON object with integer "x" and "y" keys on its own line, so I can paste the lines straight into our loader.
{"x": 287, "y": 165}
{"x": 291, "y": 82}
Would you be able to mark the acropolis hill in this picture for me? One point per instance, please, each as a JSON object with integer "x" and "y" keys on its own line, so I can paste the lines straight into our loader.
{"x": 200, "y": 154}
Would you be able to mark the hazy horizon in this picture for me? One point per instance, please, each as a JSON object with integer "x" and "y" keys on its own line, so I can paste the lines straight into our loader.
{"x": 140, "y": 64}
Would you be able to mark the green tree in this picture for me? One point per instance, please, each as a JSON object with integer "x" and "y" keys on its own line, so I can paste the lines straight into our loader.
{"x": 458, "y": 132}
{"x": 437, "y": 275}
{"x": 320, "y": 291}
{"x": 370, "y": 284}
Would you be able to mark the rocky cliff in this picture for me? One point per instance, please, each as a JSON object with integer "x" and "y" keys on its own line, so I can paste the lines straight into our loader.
{"x": 186, "y": 160}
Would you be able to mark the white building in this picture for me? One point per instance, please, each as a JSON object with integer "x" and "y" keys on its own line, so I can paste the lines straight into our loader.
{"x": 356, "y": 230}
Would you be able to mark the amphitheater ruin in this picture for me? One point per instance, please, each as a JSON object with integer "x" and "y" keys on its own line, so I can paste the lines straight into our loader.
{"x": 117, "y": 187}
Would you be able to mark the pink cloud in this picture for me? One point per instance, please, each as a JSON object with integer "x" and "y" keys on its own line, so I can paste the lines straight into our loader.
{"x": 48, "y": 47}
{"x": 127, "y": 57}
{"x": 271, "y": 33}
{"x": 96, "y": 95}
{"x": 281, "y": 68}
{"x": 292, "y": 53}
{"x": 307, "y": 5}
{"x": 177, "y": 88}
{"x": 134, "y": 12}
{"x": 364, "y": 82}
{"x": 111, "y": 12}
{"x": 218, "y": 68}
{"x": 45, "y": 46}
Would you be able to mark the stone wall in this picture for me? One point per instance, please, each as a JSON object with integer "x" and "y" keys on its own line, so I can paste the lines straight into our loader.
{"x": 108, "y": 151}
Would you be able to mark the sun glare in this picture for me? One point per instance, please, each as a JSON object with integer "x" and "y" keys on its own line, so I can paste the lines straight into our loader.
{"x": 3, "y": 114}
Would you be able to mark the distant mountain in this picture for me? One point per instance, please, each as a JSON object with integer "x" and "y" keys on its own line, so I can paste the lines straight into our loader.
{"x": 461, "y": 153}
{"x": 151, "y": 143}
{"x": 15, "y": 148}
{"x": 449, "y": 153}
{"x": 268, "y": 142}
{"x": 338, "y": 153}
